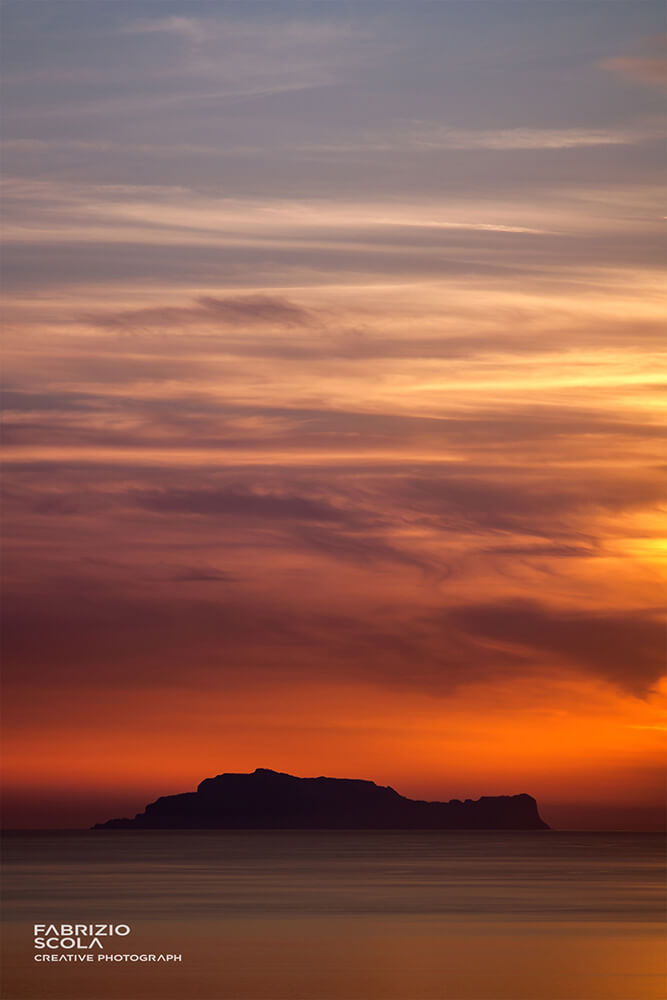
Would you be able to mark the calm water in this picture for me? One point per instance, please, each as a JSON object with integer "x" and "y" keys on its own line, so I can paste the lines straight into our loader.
{"x": 342, "y": 916}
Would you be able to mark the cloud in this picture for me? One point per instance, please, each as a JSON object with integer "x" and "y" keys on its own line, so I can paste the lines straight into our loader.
{"x": 646, "y": 64}
{"x": 239, "y": 503}
{"x": 625, "y": 647}
{"x": 203, "y": 574}
{"x": 255, "y": 56}
{"x": 243, "y": 309}
{"x": 418, "y": 136}
{"x": 328, "y": 466}
{"x": 540, "y": 138}
{"x": 364, "y": 549}
{"x": 187, "y": 27}
{"x": 359, "y": 534}
{"x": 81, "y": 631}
{"x": 563, "y": 551}
{"x": 77, "y": 632}
{"x": 20, "y": 401}
{"x": 516, "y": 500}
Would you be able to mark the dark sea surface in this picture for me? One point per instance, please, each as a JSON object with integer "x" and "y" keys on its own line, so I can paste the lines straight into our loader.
{"x": 344, "y": 915}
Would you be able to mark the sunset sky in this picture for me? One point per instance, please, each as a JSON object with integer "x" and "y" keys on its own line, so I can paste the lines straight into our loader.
{"x": 334, "y": 431}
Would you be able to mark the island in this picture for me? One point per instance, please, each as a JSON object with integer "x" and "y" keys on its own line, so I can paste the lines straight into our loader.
{"x": 270, "y": 800}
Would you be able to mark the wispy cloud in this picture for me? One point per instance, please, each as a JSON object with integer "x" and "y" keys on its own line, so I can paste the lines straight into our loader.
{"x": 608, "y": 643}
{"x": 423, "y": 136}
{"x": 188, "y": 27}
{"x": 240, "y": 310}
{"x": 268, "y": 55}
{"x": 646, "y": 62}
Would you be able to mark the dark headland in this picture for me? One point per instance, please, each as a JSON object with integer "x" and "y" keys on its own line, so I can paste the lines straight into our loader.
{"x": 269, "y": 800}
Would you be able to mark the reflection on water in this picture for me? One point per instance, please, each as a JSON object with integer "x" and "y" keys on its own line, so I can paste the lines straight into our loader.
{"x": 281, "y": 915}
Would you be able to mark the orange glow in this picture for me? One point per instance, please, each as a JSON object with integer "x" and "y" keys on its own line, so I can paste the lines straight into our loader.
{"x": 517, "y": 737}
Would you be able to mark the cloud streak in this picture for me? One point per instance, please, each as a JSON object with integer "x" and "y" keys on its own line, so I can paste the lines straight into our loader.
{"x": 646, "y": 64}
{"x": 240, "y": 310}
{"x": 605, "y": 643}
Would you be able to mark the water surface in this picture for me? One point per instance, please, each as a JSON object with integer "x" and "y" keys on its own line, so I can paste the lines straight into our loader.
{"x": 344, "y": 915}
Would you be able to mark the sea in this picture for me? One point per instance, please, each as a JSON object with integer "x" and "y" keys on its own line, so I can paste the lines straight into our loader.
{"x": 334, "y": 915}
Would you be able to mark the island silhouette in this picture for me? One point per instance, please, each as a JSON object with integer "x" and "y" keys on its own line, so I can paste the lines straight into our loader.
{"x": 270, "y": 800}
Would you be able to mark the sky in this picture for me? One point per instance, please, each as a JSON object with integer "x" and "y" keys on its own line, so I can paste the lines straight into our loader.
{"x": 333, "y": 433}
